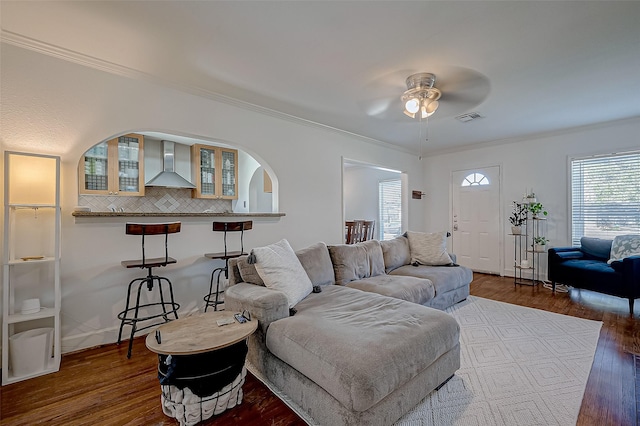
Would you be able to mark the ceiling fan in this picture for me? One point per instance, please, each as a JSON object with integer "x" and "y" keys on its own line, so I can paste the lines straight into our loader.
{"x": 451, "y": 91}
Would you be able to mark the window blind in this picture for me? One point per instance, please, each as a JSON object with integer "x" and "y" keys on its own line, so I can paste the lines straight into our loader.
{"x": 605, "y": 196}
{"x": 390, "y": 208}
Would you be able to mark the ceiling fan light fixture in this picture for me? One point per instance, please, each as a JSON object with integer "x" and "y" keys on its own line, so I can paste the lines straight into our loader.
{"x": 421, "y": 95}
{"x": 412, "y": 105}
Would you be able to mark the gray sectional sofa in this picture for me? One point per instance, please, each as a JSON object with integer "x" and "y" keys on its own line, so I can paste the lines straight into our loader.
{"x": 366, "y": 348}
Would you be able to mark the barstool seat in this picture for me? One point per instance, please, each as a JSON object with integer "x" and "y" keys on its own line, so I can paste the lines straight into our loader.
{"x": 131, "y": 314}
{"x": 225, "y": 255}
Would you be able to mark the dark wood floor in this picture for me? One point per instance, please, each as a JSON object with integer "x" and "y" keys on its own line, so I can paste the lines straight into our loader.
{"x": 102, "y": 387}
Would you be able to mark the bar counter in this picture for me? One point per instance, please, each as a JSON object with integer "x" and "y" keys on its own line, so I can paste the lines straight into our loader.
{"x": 170, "y": 214}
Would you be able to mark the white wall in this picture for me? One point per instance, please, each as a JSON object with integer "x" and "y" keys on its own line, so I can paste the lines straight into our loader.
{"x": 540, "y": 163}
{"x": 259, "y": 200}
{"x": 58, "y": 107}
{"x": 361, "y": 198}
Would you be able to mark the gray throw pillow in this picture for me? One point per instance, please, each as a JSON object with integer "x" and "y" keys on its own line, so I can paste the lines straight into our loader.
{"x": 248, "y": 272}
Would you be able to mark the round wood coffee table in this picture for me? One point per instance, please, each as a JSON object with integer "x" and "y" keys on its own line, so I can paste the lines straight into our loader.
{"x": 201, "y": 364}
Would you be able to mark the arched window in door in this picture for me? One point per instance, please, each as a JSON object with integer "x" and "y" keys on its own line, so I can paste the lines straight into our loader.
{"x": 475, "y": 179}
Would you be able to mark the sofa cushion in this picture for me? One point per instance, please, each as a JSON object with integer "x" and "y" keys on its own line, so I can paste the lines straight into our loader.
{"x": 429, "y": 248}
{"x": 624, "y": 246}
{"x": 326, "y": 338}
{"x": 395, "y": 253}
{"x": 316, "y": 262}
{"x": 411, "y": 289}
{"x": 314, "y": 259}
{"x": 444, "y": 278}
{"x": 356, "y": 261}
{"x": 596, "y": 247}
{"x": 280, "y": 269}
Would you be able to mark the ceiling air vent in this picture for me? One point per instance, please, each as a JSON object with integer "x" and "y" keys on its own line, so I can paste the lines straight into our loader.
{"x": 465, "y": 118}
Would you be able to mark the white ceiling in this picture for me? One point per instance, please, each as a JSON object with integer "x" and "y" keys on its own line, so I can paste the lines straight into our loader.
{"x": 528, "y": 66}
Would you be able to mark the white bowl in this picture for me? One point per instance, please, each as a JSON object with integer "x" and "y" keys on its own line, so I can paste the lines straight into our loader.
{"x": 30, "y": 306}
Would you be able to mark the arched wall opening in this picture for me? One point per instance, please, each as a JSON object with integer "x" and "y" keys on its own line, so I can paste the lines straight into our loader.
{"x": 247, "y": 197}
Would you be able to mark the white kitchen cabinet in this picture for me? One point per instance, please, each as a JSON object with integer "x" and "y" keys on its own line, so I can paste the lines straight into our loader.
{"x": 31, "y": 266}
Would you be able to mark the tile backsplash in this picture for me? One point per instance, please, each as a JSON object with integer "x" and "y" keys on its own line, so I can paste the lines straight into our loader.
{"x": 155, "y": 200}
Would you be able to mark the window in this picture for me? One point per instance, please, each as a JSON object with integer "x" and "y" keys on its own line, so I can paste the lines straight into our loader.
{"x": 475, "y": 179}
{"x": 390, "y": 208}
{"x": 605, "y": 196}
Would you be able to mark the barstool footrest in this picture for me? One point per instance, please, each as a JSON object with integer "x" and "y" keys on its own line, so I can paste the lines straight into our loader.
{"x": 213, "y": 303}
{"x": 174, "y": 307}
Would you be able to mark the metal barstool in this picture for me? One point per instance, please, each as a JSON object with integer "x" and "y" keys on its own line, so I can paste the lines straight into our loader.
{"x": 226, "y": 255}
{"x": 130, "y": 316}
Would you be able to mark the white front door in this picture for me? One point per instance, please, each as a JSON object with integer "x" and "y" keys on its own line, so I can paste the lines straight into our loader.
{"x": 476, "y": 218}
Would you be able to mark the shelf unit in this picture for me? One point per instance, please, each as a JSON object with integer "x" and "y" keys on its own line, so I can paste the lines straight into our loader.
{"x": 31, "y": 258}
{"x": 524, "y": 250}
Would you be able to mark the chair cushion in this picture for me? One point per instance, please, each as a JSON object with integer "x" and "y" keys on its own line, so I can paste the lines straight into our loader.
{"x": 596, "y": 247}
{"x": 280, "y": 269}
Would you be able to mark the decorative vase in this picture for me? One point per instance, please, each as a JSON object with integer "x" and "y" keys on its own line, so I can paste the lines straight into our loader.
{"x": 516, "y": 230}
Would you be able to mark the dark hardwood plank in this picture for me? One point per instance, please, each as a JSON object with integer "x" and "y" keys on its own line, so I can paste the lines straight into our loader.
{"x": 100, "y": 386}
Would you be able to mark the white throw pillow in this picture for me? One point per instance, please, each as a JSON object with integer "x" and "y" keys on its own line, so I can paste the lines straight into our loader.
{"x": 624, "y": 246}
{"x": 429, "y": 249}
{"x": 280, "y": 269}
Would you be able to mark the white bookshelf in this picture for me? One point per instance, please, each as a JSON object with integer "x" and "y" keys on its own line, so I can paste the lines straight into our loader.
{"x": 31, "y": 258}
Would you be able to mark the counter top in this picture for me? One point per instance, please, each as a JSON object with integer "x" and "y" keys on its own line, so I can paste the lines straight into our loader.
{"x": 171, "y": 214}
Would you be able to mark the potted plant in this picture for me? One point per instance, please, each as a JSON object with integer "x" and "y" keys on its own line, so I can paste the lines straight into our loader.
{"x": 537, "y": 209}
{"x": 539, "y": 244}
{"x": 518, "y": 218}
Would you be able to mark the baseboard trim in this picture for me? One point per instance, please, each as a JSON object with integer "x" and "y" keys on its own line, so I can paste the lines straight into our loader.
{"x": 105, "y": 336}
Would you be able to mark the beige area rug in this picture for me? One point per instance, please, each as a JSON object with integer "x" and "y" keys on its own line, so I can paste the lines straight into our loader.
{"x": 519, "y": 366}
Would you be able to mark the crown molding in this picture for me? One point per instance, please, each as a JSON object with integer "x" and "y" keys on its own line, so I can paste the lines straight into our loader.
{"x": 531, "y": 136}
{"x": 64, "y": 54}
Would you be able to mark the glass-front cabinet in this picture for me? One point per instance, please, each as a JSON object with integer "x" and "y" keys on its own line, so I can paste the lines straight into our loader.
{"x": 215, "y": 172}
{"x": 114, "y": 167}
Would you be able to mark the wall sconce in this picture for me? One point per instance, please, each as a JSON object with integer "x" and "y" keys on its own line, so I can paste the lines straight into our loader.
{"x": 417, "y": 195}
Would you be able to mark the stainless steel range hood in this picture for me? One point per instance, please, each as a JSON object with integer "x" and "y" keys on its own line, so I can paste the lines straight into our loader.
{"x": 168, "y": 178}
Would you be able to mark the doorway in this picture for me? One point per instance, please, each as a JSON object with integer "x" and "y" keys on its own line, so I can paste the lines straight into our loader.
{"x": 362, "y": 200}
{"x": 476, "y": 218}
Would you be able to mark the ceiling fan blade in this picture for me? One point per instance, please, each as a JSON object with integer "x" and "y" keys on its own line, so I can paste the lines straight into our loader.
{"x": 462, "y": 89}
{"x": 380, "y": 97}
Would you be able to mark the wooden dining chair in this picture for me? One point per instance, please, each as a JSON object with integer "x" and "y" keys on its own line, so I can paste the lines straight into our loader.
{"x": 348, "y": 231}
{"x": 368, "y": 227}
